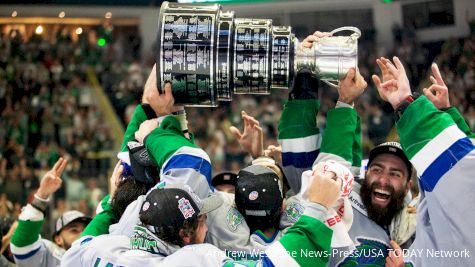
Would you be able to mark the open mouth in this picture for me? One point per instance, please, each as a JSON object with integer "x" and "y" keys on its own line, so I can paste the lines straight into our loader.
{"x": 381, "y": 196}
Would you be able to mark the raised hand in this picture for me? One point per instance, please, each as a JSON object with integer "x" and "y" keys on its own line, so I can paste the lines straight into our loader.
{"x": 161, "y": 103}
{"x": 115, "y": 177}
{"x": 251, "y": 140}
{"x": 397, "y": 89}
{"x": 325, "y": 189}
{"x": 51, "y": 181}
{"x": 437, "y": 93}
{"x": 309, "y": 40}
{"x": 352, "y": 86}
{"x": 274, "y": 152}
{"x": 145, "y": 129}
{"x": 386, "y": 75}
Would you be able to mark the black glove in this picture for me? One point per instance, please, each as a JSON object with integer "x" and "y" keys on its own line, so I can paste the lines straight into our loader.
{"x": 305, "y": 86}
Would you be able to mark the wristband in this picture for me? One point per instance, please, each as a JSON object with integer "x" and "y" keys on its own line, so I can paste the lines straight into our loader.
{"x": 181, "y": 117}
{"x": 340, "y": 104}
{"x": 39, "y": 205}
{"x": 41, "y": 199}
{"x": 409, "y": 99}
{"x": 399, "y": 111}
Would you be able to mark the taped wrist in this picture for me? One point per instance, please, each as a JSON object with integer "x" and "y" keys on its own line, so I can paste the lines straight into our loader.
{"x": 39, "y": 204}
{"x": 181, "y": 117}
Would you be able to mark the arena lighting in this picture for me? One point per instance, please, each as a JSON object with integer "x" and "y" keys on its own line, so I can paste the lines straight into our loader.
{"x": 226, "y": 1}
{"x": 61, "y": 14}
{"x": 101, "y": 42}
{"x": 108, "y": 15}
{"x": 78, "y": 30}
{"x": 39, "y": 29}
{"x": 14, "y": 14}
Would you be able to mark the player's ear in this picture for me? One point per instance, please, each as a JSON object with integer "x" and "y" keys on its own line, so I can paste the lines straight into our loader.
{"x": 58, "y": 240}
{"x": 408, "y": 186}
{"x": 185, "y": 237}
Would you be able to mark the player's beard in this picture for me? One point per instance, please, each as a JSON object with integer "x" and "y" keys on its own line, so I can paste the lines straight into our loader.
{"x": 382, "y": 216}
{"x": 67, "y": 245}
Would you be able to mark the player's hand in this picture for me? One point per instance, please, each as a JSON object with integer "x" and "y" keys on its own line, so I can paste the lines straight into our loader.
{"x": 386, "y": 75}
{"x": 145, "y": 129}
{"x": 162, "y": 103}
{"x": 352, "y": 86}
{"x": 115, "y": 177}
{"x": 309, "y": 40}
{"x": 274, "y": 152}
{"x": 325, "y": 189}
{"x": 395, "y": 257}
{"x": 251, "y": 140}
{"x": 395, "y": 90}
{"x": 8, "y": 237}
{"x": 437, "y": 93}
{"x": 51, "y": 181}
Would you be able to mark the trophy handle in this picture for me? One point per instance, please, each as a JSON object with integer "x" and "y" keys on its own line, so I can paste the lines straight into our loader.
{"x": 357, "y": 32}
{"x": 331, "y": 84}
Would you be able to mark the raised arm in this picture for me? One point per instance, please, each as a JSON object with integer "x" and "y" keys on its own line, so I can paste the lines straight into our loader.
{"x": 177, "y": 157}
{"x": 342, "y": 140}
{"x": 251, "y": 139}
{"x": 444, "y": 158}
{"x": 299, "y": 135}
{"x": 26, "y": 245}
{"x": 438, "y": 94}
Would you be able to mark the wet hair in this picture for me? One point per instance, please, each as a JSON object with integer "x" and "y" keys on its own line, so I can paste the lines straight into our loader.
{"x": 127, "y": 191}
{"x": 171, "y": 233}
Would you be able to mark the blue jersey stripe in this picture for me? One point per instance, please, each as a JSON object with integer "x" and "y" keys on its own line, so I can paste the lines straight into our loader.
{"x": 266, "y": 262}
{"x": 185, "y": 161}
{"x": 444, "y": 163}
{"x": 299, "y": 160}
{"x": 86, "y": 240}
{"x": 27, "y": 255}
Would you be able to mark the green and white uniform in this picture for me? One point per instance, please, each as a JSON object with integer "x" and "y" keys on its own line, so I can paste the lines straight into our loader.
{"x": 341, "y": 142}
{"x": 27, "y": 246}
{"x": 438, "y": 145}
{"x": 177, "y": 157}
{"x": 307, "y": 243}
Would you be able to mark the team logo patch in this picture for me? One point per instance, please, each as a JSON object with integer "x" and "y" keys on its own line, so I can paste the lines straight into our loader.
{"x": 294, "y": 211}
{"x": 145, "y": 206}
{"x": 253, "y": 195}
{"x": 368, "y": 252}
{"x": 185, "y": 208}
{"x": 233, "y": 219}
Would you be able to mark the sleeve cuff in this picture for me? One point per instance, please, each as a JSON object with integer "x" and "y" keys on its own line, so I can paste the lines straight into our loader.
{"x": 316, "y": 211}
{"x": 340, "y": 104}
{"x": 30, "y": 213}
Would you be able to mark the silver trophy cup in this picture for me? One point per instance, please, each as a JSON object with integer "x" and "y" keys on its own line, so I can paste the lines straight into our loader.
{"x": 208, "y": 55}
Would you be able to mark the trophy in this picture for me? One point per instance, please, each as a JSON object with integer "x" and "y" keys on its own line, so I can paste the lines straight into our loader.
{"x": 208, "y": 55}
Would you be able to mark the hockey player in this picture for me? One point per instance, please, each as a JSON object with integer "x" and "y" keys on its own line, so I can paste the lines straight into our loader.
{"x": 444, "y": 158}
{"x": 172, "y": 228}
{"x": 303, "y": 146}
{"x": 27, "y": 246}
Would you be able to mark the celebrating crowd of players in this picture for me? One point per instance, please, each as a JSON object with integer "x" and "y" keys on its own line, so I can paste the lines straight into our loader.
{"x": 310, "y": 209}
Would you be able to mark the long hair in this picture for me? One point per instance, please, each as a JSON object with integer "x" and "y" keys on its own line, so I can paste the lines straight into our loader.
{"x": 171, "y": 233}
{"x": 127, "y": 191}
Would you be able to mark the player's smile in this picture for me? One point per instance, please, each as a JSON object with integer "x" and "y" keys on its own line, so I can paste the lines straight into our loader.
{"x": 380, "y": 197}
